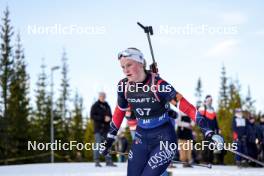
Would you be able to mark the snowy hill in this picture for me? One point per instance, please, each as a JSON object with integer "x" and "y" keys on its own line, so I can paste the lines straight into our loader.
{"x": 88, "y": 169}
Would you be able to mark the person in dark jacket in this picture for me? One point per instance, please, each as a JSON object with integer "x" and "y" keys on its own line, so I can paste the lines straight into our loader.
{"x": 261, "y": 137}
{"x": 185, "y": 138}
{"x": 239, "y": 128}
{"x": 101, "y": 116}
{"x": 252, "y": 139}
{"x": 209, "y": 113}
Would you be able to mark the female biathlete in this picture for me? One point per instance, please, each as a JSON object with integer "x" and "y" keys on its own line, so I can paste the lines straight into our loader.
{"x": 149, "y": 96}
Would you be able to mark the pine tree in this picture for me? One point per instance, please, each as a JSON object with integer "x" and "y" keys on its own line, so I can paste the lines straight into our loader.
{"x": 18, "y": 104}
{"x": 89, "y": 138}
{"x": 5, "y": 80}
{"x": 42, "y": 104}
{"x": 65, "y": 92}
{"x": 225, "y": 114}
{"x": 6, "y": 61}
{"x": 62, "y": 113}
{"x": 77, "y": 131}
{"x": 249, "y": 103}
{"x": 223, "y": 96}
{"x": 40, "y": 120}
{"x": 199, "y": 102}
{"x": 198, "y": 93}
{"x": 234, "y": 96}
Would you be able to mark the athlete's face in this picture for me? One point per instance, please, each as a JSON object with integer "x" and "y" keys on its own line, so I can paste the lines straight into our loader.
{"x": 132, "y": 69}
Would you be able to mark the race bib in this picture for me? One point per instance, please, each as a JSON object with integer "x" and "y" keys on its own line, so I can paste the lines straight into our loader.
{"x": 240, "y": 122}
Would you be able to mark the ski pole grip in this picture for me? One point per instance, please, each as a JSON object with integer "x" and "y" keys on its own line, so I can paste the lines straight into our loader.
{"x": 147, "y": 29}
{"x": 143, "y": 27}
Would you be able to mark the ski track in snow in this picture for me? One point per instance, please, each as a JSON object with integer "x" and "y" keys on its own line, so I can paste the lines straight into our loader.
{"x": 88, "y": 169}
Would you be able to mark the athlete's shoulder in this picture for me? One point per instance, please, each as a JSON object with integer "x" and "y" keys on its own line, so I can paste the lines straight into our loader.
{"x": 165, "y": 90}
{"x": 157, "y": 78}
{"x": 162, "y": 82}
{"x": 124, "y": 80}
{"x": 121, "y": 85}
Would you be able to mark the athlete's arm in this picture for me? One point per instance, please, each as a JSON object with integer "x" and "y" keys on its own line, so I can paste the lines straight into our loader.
{"x": 118, "y": 116}
{"x": 121, "y": 107}
{"x": 169, "y": 94}
{"x": 187, "y": 108}
{"x": 116, "y": 122}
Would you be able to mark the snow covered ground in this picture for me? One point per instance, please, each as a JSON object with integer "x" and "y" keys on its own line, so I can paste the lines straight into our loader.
{"x": 88, "y": 169}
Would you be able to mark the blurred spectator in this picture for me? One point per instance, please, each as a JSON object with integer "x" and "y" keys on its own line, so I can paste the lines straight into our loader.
{"x": 239, "y": 128}
{"x": 261, "y": 138}
{"x": 252, "y": 140}
{"x": 184, "y": 133}
{"x": 101, "y": 116}
{"x": 208, "y": 112}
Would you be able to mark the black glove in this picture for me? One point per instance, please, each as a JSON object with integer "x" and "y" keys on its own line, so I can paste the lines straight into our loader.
{"x": 131, "y": 117}
{"x": 153, "y": 67}
{"x": 215, "y": 138}
{"x": 172, "y": 114}
{"x": 111, "y": 135}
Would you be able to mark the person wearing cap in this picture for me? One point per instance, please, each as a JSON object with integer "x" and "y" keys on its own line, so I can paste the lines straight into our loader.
{"x": 207, "y": 110}
{"x": 149, "y": 96}
{"x": 252, "y": 139}
{"x": 101, "y": 116}
{"x": 239, "y": 128}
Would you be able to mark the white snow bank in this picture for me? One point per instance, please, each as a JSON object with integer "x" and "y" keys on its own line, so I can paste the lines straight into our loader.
{"x": 88, "y": 169}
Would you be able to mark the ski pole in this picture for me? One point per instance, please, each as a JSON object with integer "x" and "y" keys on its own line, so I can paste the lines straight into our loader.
{"x": 120, "y": 153}
{"x": 209, "y": 166}
{"x": 246, "y": 157}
